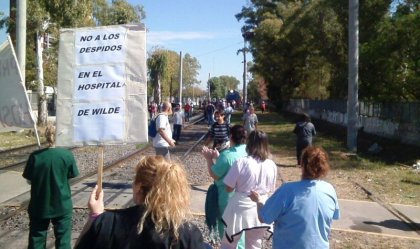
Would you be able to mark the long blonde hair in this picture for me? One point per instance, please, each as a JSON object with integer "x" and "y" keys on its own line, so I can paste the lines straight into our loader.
{"x": 166, "y": 194}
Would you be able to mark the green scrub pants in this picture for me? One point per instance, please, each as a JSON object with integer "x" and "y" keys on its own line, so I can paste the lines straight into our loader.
{"x": 38, "y": 229}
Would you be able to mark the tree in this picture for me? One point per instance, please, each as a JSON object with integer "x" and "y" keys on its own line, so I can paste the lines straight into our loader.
{"x": 190, "y": 70}
{"x": 169, "y": 81}
{"x": 257, "y": 89}
{"x": 219, "y": 86}
{"x": 2, "y": 20}
{"x": 117, "y": 12}
{"x": 300, "y": 48}
{"x": 47, "y": 17}
{"x": 157, "y": 66}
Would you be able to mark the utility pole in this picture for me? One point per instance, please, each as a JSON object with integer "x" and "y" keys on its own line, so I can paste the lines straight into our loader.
{"x": 246, "y": 35}
{"x": 244, "y": 93}
{"x": 353, "y": 75}
{"x": 208, "y": 86}
{"x": 21, "y": 36}
{"x": 244, "y": 50}
{"x": 180, "y": 78}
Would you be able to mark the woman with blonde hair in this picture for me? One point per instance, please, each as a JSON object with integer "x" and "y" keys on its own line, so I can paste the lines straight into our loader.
{"x": 302, "y": 211}
{"x": 159, "y": 220}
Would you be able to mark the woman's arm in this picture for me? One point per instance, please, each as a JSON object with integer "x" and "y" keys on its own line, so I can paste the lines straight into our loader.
{"x": 209, "y": 155}
{"x": 256, "y": 198}
{"x": 96, "y": 206}
{"x": 229, "y": 189}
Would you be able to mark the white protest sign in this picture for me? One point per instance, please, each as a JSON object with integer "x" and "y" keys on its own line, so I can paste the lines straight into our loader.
{"x": 15, "y": 110}
{"x": 109, "y": 117}
{"x": 99, "y": 82}
{"x": 106, "y": 46}
{"x": 102, "y": 86}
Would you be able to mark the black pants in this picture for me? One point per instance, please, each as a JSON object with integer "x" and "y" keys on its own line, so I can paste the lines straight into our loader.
{"x": 176, "y": 132}
{"x": 299, "y": 148}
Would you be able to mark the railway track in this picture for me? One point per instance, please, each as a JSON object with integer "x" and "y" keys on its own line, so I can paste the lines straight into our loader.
{"x": 391, "y": 208}
{"x": 117, "y": 180}
{"x": 14, "y": 158}
{"x": 20, "y": 202}
{"x": 21, "y": 148}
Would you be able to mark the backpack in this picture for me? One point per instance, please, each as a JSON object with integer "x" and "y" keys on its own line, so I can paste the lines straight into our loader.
{"x": 151, "y": 129}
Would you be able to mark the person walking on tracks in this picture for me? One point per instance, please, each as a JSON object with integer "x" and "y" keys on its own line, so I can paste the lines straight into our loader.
{"x": 163, "y": 139}
{"x": 210, "y": 109}
{"x": 188, "y": 111}
{"x": 159, "y": 220}
{"x": 219, "y": 132}
{"x": 302, "y": 211}
{"x": 228, "y": 113}
{"x": 263, "y": 106}
{"x": 304, "y": 130}
{"x": 250, "y": 120}
{"x": 178, "y": 120}
{"x": 218, "y": 166}
{"x": 48, "y": 171}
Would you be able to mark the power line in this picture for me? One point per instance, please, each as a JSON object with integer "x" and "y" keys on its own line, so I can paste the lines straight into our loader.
{"x": 219, "y": 49}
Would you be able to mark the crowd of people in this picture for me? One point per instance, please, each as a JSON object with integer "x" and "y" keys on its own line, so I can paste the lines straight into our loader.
{"x": 246, "y": 202}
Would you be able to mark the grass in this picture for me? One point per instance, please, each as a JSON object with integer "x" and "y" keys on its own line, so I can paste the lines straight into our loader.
{"x": 392, "y": 180}
{"x": 10, "y": 140}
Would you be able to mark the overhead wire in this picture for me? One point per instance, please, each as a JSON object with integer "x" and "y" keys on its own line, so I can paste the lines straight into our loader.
{"x": 219, "y": 49}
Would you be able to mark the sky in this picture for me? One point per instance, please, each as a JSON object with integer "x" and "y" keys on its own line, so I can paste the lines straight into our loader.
{"x": 206, "y": 29}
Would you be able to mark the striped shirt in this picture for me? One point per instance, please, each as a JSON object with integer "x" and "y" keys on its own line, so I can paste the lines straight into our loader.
{"x": 220, "y": 133}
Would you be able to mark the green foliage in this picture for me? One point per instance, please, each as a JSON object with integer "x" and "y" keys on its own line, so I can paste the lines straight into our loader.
{"x": 300, "y": 48}
{"x": 157, "y": 66}
{"x": 190, "y": 68}
{"x": 253, "y": 93}
{"x": 219, "y": 86}
{"x": 49, "y": 16}
{"x": 3, "y": 20}
{"x": 392, "y": 61}
{"x": 117, "y": 12}
{"x": 169, "y": 79}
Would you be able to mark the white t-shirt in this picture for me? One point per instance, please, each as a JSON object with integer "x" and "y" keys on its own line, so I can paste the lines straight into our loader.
{"x": 248, "y": 174}
{"x": 228, "y": 110}
{"x": 162, "y": 121}
{"x": 178, "y": 118}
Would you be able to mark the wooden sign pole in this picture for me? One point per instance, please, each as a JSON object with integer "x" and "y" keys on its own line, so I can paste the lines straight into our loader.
{"x": 100, "y": 169}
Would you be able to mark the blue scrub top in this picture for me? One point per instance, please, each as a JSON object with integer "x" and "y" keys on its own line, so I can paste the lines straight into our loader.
{"x": 302, "y": 213}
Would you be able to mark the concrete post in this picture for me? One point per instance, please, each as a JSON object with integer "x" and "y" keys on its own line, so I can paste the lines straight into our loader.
{"x": 353, "y": 75}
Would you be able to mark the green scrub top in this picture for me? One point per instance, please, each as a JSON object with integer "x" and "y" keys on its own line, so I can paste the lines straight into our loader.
{"x": 222, "y": 166}
{"x": 49, "y": 170}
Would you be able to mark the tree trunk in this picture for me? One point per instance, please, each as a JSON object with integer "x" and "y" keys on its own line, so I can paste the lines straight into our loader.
{"x": 157, "y": 91}
{"x": 42, "y": 104}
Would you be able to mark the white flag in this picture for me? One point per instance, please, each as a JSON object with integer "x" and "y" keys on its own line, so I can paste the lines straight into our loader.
{"x": 15, "y": 110}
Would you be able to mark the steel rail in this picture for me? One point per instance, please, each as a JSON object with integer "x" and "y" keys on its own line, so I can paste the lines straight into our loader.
{"x": 20, "y": 148}
{"x": 390, "y": 208}
{"x": 106, "y": 168}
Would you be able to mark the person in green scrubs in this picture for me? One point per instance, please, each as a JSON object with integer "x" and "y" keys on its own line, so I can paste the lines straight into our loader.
{"x": 219, "y": 164}
{"x": 48, "y": 171}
